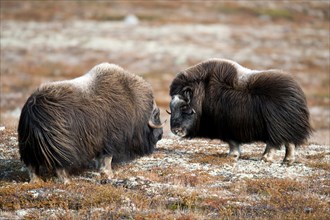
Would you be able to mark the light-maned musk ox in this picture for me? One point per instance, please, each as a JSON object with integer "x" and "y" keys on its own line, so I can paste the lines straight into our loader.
{"x": 108, "y": 114}
{"x": 223, "y": 100}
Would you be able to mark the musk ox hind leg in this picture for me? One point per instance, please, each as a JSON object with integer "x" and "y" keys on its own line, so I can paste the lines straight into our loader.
{"x": 234, "y": 149}
{"x": 105, "y": 166}
{"x": 34, "y": 178}
{"x": 63, "y": 176}
{"x": 289, "y": 154}
{"x": 268, "y": 155}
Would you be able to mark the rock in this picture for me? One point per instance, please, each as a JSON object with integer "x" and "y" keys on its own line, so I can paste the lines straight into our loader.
{"x": 131, "y": 20}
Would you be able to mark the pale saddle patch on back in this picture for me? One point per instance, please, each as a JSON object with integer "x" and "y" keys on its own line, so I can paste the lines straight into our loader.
{"x": 85, "y": 81}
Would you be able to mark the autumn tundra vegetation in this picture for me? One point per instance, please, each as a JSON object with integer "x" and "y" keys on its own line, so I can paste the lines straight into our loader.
{"x": 184, "y": 178}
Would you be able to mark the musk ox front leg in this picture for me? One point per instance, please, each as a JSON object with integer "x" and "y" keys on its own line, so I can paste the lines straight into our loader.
{"x": 34, "y": 178}
{"x": 268, "y": 155}
{"x": 289, "y": 154}
{"x": 63, "y": 176}
{"x": 234, "y": 149}
{"x": 105, "y": 167}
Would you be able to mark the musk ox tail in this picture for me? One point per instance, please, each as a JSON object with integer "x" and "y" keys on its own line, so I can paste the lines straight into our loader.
{"x": 43, "y": 135}
{"x": 283, "y": 106}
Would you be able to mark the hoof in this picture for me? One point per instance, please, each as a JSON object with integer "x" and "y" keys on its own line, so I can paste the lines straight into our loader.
{"x": 288, "y": 161}
{"x": 107, "y": 174}
{"x": 267, "y": 158}
{"x": 36, "y": 180}
{"x": 234, "y": 155}
{"x": 62, "y": 180}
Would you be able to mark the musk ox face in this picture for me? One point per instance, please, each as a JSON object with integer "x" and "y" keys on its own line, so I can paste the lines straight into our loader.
{"x": 183, "y": 115}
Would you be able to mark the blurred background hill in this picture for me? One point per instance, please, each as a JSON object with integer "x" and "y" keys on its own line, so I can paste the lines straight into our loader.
{"x": 45, "y": 41}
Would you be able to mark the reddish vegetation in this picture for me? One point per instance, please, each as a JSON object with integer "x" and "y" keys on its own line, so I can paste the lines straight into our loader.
{"x": 184, "y": 179}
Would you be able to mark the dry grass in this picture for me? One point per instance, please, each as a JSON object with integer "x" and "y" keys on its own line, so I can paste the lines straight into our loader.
{"x": 286, "y": 199}
{"x": 183, "y": 179}
{"x": 143, "y": 190}
{"x": 214, "y": 159}
{"x": 318, "y": 161}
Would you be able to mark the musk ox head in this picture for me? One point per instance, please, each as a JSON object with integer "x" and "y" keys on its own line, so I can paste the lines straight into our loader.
{"x": 188, "y": 93}
{"x": 183, "y": 115}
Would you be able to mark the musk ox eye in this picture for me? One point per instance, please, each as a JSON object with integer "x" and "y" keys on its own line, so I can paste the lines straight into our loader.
{"x": 168, "y": 112}
{"x": 184, "y": 108}
{"x": 187, "y": 110}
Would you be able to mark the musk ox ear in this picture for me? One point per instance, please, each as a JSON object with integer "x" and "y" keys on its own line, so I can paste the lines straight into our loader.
{"x": 187, "y": 94}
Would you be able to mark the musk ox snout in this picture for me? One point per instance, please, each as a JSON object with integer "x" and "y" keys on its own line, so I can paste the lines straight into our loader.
{"x": 179, "y": 131}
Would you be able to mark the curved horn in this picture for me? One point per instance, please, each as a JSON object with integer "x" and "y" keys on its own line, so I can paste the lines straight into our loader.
{"x": 153, "y": 125}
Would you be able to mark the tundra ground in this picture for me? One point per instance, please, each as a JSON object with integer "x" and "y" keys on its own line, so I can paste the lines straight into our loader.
{"x": 182, "y": 179}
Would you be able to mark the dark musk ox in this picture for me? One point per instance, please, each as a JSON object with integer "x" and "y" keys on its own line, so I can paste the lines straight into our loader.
{"x": 223, "y": 100}
{"x": 108, "y": 114}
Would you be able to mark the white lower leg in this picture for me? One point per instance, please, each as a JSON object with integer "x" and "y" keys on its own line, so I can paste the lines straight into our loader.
{"x": 62, "y": 176}
{"x": 105, "y": 168}
{"x": 234, "y": 150}
{"x": 268, "y": 155}
{"x": 289, "y": 154}
{"x": 34, "y": 178}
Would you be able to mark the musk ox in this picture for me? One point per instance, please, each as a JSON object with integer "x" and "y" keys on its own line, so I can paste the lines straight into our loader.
{"x": 223, "y": 100}
{"x": 108, "y": 114}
